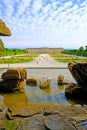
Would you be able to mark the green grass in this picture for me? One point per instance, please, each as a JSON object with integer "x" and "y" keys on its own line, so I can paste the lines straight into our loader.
{"x": 68, "y": 58}
{"x": 18, "y": 59}
{"x": 10, "y": 125}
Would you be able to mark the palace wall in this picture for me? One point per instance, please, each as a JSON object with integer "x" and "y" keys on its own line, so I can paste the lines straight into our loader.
{"x": 44, "y": 50}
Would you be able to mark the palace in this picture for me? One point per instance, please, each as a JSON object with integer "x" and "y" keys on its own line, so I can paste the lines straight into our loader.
{"x": 44, "y": 50}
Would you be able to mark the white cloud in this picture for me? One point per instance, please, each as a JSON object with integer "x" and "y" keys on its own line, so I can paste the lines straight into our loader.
{"x": 36, "y": 6}
{"x": 54, "y": 22}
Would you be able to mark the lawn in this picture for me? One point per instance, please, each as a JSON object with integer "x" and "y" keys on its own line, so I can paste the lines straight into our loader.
{"x": 18, "y": 59}
{"x": 68, "y": 58}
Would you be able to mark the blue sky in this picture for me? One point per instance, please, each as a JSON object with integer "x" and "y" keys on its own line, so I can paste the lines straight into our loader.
{"x": 45, "y": 23}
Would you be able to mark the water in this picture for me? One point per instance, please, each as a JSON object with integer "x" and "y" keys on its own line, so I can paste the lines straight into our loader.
{"x": 34, "y": 94}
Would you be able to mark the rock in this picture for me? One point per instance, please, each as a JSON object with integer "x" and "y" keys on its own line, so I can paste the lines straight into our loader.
{"x": 3, "y": 110}
{"x": 4, "y": 30}
{"x": 61, "y": 80}
{"x": 13, "y": 79}
{"x": 11, "y": 85}
{"x": 32, "y": 123}
{"x": 45, "y": 117}
{"x": 73, "y": 91}
{"x": 56, "y": 122}
{"x": 79, "y": 73}
{"x": 15, "y": 73}
{"x": 45, "y": 84}
{"x": 23, "y": 111}
{"x": 32, "y": 82}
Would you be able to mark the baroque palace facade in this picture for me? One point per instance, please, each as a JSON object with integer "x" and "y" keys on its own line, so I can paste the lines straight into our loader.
{"x": 44, "y": 50}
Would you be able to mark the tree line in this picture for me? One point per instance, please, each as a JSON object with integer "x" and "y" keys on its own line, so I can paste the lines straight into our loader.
{"x": 82, "y": 51}
{"x": 8, "y": 52}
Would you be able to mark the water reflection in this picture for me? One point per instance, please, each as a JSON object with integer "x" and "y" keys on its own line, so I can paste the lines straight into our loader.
{"x": 46, "y": 90}
{"x": 32, "y": 94}
{"x": 61, "y": 87}
{"x": 15, "y": 99}
{"x": 50, "y": 95}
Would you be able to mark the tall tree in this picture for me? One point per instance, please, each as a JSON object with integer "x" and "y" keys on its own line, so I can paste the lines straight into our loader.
{"x": 86, "y": 48}
{"x": 81, "y": 48}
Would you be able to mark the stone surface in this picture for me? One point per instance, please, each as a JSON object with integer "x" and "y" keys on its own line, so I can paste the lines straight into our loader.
{"x": 32, "y": 82}
{"x": 33, "y": 123}
{"x": 45, "y": 117}
{"x": 13, "y": 79}
{"x": 61, "y": 80}
{"x": 24, "y": 111}
{"x": 45, "y": 84}
{"x": 79, "y": 73}
{"x": 15, "y": 73}
{"x": 4, "y": 30}
{"x": 56, "y": 122}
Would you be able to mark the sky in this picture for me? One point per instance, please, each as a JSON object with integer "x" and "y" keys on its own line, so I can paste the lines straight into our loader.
{"x": 45, "y": 23}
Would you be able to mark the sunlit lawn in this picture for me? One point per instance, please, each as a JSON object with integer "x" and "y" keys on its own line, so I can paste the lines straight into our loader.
{"x": 68, "y": 58}
{"x": 19, "y": 59}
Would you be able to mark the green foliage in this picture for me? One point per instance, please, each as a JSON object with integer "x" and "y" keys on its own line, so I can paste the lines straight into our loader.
{"x": 81, "y": 48}
{"x": 9, "y": 52}
{"x": 78, "y": 52}
{"x": 2, "y": 46}
{"x": 10, "y": 125}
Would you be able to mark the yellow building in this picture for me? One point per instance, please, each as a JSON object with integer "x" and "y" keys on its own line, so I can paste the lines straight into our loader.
{"x": 44, "y": 50}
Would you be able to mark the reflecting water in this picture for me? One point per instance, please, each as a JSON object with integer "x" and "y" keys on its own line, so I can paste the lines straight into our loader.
{"x": 34, "y": 94}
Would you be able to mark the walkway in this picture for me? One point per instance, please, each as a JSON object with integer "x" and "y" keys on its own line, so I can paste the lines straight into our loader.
{"x": 43, "y": 61}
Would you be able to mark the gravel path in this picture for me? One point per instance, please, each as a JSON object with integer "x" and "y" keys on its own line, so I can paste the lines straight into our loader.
{"x": 43, "y": 61}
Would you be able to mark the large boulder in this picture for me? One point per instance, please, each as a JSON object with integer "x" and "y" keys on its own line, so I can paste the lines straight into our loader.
{"x": 4, "y": 30}
{"x": 79, "y": 73}
{"x": 13, "y": 79}
{"x": 15, "y": 73}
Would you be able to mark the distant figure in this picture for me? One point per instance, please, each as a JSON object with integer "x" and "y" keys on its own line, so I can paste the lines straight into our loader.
{"x": 37, "y": 62}
{"x": 8, "y": 65}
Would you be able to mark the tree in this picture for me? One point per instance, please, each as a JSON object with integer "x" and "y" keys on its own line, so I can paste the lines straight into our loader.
{"x": 81, "y": 48}
{"x": 86, "y": 48}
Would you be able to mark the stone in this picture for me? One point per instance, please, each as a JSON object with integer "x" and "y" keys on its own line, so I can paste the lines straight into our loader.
{"x": 4, "y": 30}
{"x": 32, "y": 82}
{"x": 11, "y": 85}
{"x": 56, "y": 122}
{"x": 79, "y": 73}
{"x": 15, "y": 73}
{"x": 45, "y": 84}
{"x": 61, "y": 80}
{"x": 75, "y": 92}
{"x": 13, "y": 80}
{"x": 46, "y": 117}
{"x": 32, "y": 123}
{"x": 23, "y": 111}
